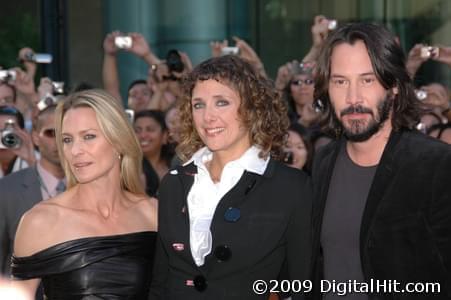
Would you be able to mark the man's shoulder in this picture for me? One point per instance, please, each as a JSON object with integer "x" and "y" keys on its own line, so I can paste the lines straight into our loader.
{"x": 17, "y": 177}
{"x": 420, "y": 144}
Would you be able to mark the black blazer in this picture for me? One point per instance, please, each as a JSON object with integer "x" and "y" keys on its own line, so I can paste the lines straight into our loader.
{"x": 405, "y": 232}
{"x": 273, "y": 226}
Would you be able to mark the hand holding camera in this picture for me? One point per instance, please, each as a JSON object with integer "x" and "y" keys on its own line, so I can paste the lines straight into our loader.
{"x": 320, "y": 29}
{"x": 444, "y": 55}
{"x": 109, "y": 45}
{"x": 247, "y": 52}
{"x": 7, "y": 76}
{"x": 283, "y": 76}
{"x": 428, "y": 52}
{"x": 18, "y": 141}
{"x": 217, "y": 46}
{"x": 30, "y": 66}
{"x": 436, "y": 95}
{"x": 24, "y": 84}
{"x": 48, "y": 91}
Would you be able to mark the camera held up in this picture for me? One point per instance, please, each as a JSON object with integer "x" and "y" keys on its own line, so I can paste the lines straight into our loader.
{"x": 8, "y": 136}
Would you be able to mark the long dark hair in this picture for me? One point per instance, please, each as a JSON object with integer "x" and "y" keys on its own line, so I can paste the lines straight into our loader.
{"x": 389, "y": 65}
{"x": 167, "y": 152}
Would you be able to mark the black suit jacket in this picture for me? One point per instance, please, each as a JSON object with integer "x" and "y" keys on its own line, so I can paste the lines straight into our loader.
{"x": 405, "y": 233}
{"x": 274, "y": 226}
{"x": 19, "y": 191}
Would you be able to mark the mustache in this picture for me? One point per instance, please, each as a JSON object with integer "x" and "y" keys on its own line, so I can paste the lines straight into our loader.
{"x": 356, "y": 109}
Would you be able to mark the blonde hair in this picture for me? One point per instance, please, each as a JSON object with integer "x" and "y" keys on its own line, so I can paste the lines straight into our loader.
{"x": 115, "y": 127}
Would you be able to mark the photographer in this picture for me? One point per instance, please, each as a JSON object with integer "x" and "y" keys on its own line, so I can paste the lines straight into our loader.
{"x": 19, "y": 153}
{"x": 139, "y": 93}
{"x": 165, "y": 78}
{"x": 439, "y": 97}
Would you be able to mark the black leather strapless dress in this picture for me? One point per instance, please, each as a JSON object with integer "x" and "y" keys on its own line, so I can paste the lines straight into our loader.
{"x": 107, "y": 267}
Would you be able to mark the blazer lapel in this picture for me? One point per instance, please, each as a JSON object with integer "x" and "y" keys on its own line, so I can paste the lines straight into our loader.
{"x": 382, "y": 178}
{"x": 324, "y": 176}
{"x": 186, "y": 176}
{"x": 31, "y": 187}
{"x": 234, "y": 198}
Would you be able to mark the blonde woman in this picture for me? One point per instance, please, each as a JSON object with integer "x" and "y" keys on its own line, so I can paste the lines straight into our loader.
{"x": 95, "y": 239}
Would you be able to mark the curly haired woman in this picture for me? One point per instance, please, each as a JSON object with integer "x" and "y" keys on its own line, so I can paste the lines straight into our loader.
{"x": 232, "y": 214}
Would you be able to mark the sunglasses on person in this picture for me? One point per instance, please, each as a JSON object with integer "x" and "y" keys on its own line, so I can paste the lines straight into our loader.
{"x": 8, "y": 110}
{"x": 49, "y": 133}
{"x": 301, "y": 82}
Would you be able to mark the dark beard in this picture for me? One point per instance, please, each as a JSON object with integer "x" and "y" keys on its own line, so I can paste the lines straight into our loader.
{"x": 358, "y": 132}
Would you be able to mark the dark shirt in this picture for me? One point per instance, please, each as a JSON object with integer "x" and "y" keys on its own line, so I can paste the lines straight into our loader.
{"x": 340, "y": 242}
{"x": 152, "y": 180}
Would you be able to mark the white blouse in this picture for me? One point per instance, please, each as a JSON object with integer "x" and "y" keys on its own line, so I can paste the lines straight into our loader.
{"x": 205, "y": 195}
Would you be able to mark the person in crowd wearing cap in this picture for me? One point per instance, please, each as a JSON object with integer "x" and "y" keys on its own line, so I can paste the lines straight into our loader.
{"x": 232, "y": 213}
{"x": 96, "y": 239}
{"x": 382, "y": 195}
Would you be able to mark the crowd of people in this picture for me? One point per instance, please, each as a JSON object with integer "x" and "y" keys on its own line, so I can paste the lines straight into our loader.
{"x": 210, "y": 177}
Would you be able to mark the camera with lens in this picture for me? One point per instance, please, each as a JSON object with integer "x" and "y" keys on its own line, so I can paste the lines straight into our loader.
{"x": 287, "y": 157}
{"x": 174, "y": 61}
{"x": 123, "y": 42}
{"x": 8, "y": 137}
{"x": 421, "y": 94}
{"x": 7, "y": 75}
{"x": 39, "y": 58}
{"x": 51, "y": 98}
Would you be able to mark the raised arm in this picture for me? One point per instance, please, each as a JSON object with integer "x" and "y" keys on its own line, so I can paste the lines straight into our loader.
{"x": 110, "y": 74}
{"x": 320, "y": 30}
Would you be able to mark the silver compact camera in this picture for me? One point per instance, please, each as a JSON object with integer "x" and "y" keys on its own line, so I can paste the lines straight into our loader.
{"x": 8, "y": 137}
{"x": 46, "y": 101}
{"x": 332, "y": 24}
{"x": 7, "y": 75}
{"x": 429, "y": 51}
{"x": 39, "y": 58}
{"x": 58, "y": 87}
{"x": 230, "y": 50}
{"x": 123, "y": 42}
{"x": 51, "y": 98}
{"x": 130, "y": 113}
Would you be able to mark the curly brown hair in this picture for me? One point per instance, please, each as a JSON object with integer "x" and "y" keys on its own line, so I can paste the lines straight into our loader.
{"x": 261, "y": 110}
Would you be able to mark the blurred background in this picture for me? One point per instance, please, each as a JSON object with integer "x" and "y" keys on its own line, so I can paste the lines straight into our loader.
{"x": 279, "y": 30}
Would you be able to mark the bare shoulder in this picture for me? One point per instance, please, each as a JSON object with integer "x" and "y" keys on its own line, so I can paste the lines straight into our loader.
{"x": 147, "y": 207}
{"x": 35, "y": 228}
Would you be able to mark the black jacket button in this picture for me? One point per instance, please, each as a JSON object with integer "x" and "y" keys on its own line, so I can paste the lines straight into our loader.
{"x": 223, "y": 253}
{"x": 200, "y": 283}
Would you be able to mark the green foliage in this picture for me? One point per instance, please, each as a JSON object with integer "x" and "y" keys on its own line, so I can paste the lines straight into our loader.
{"x": 16, "y": 32}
